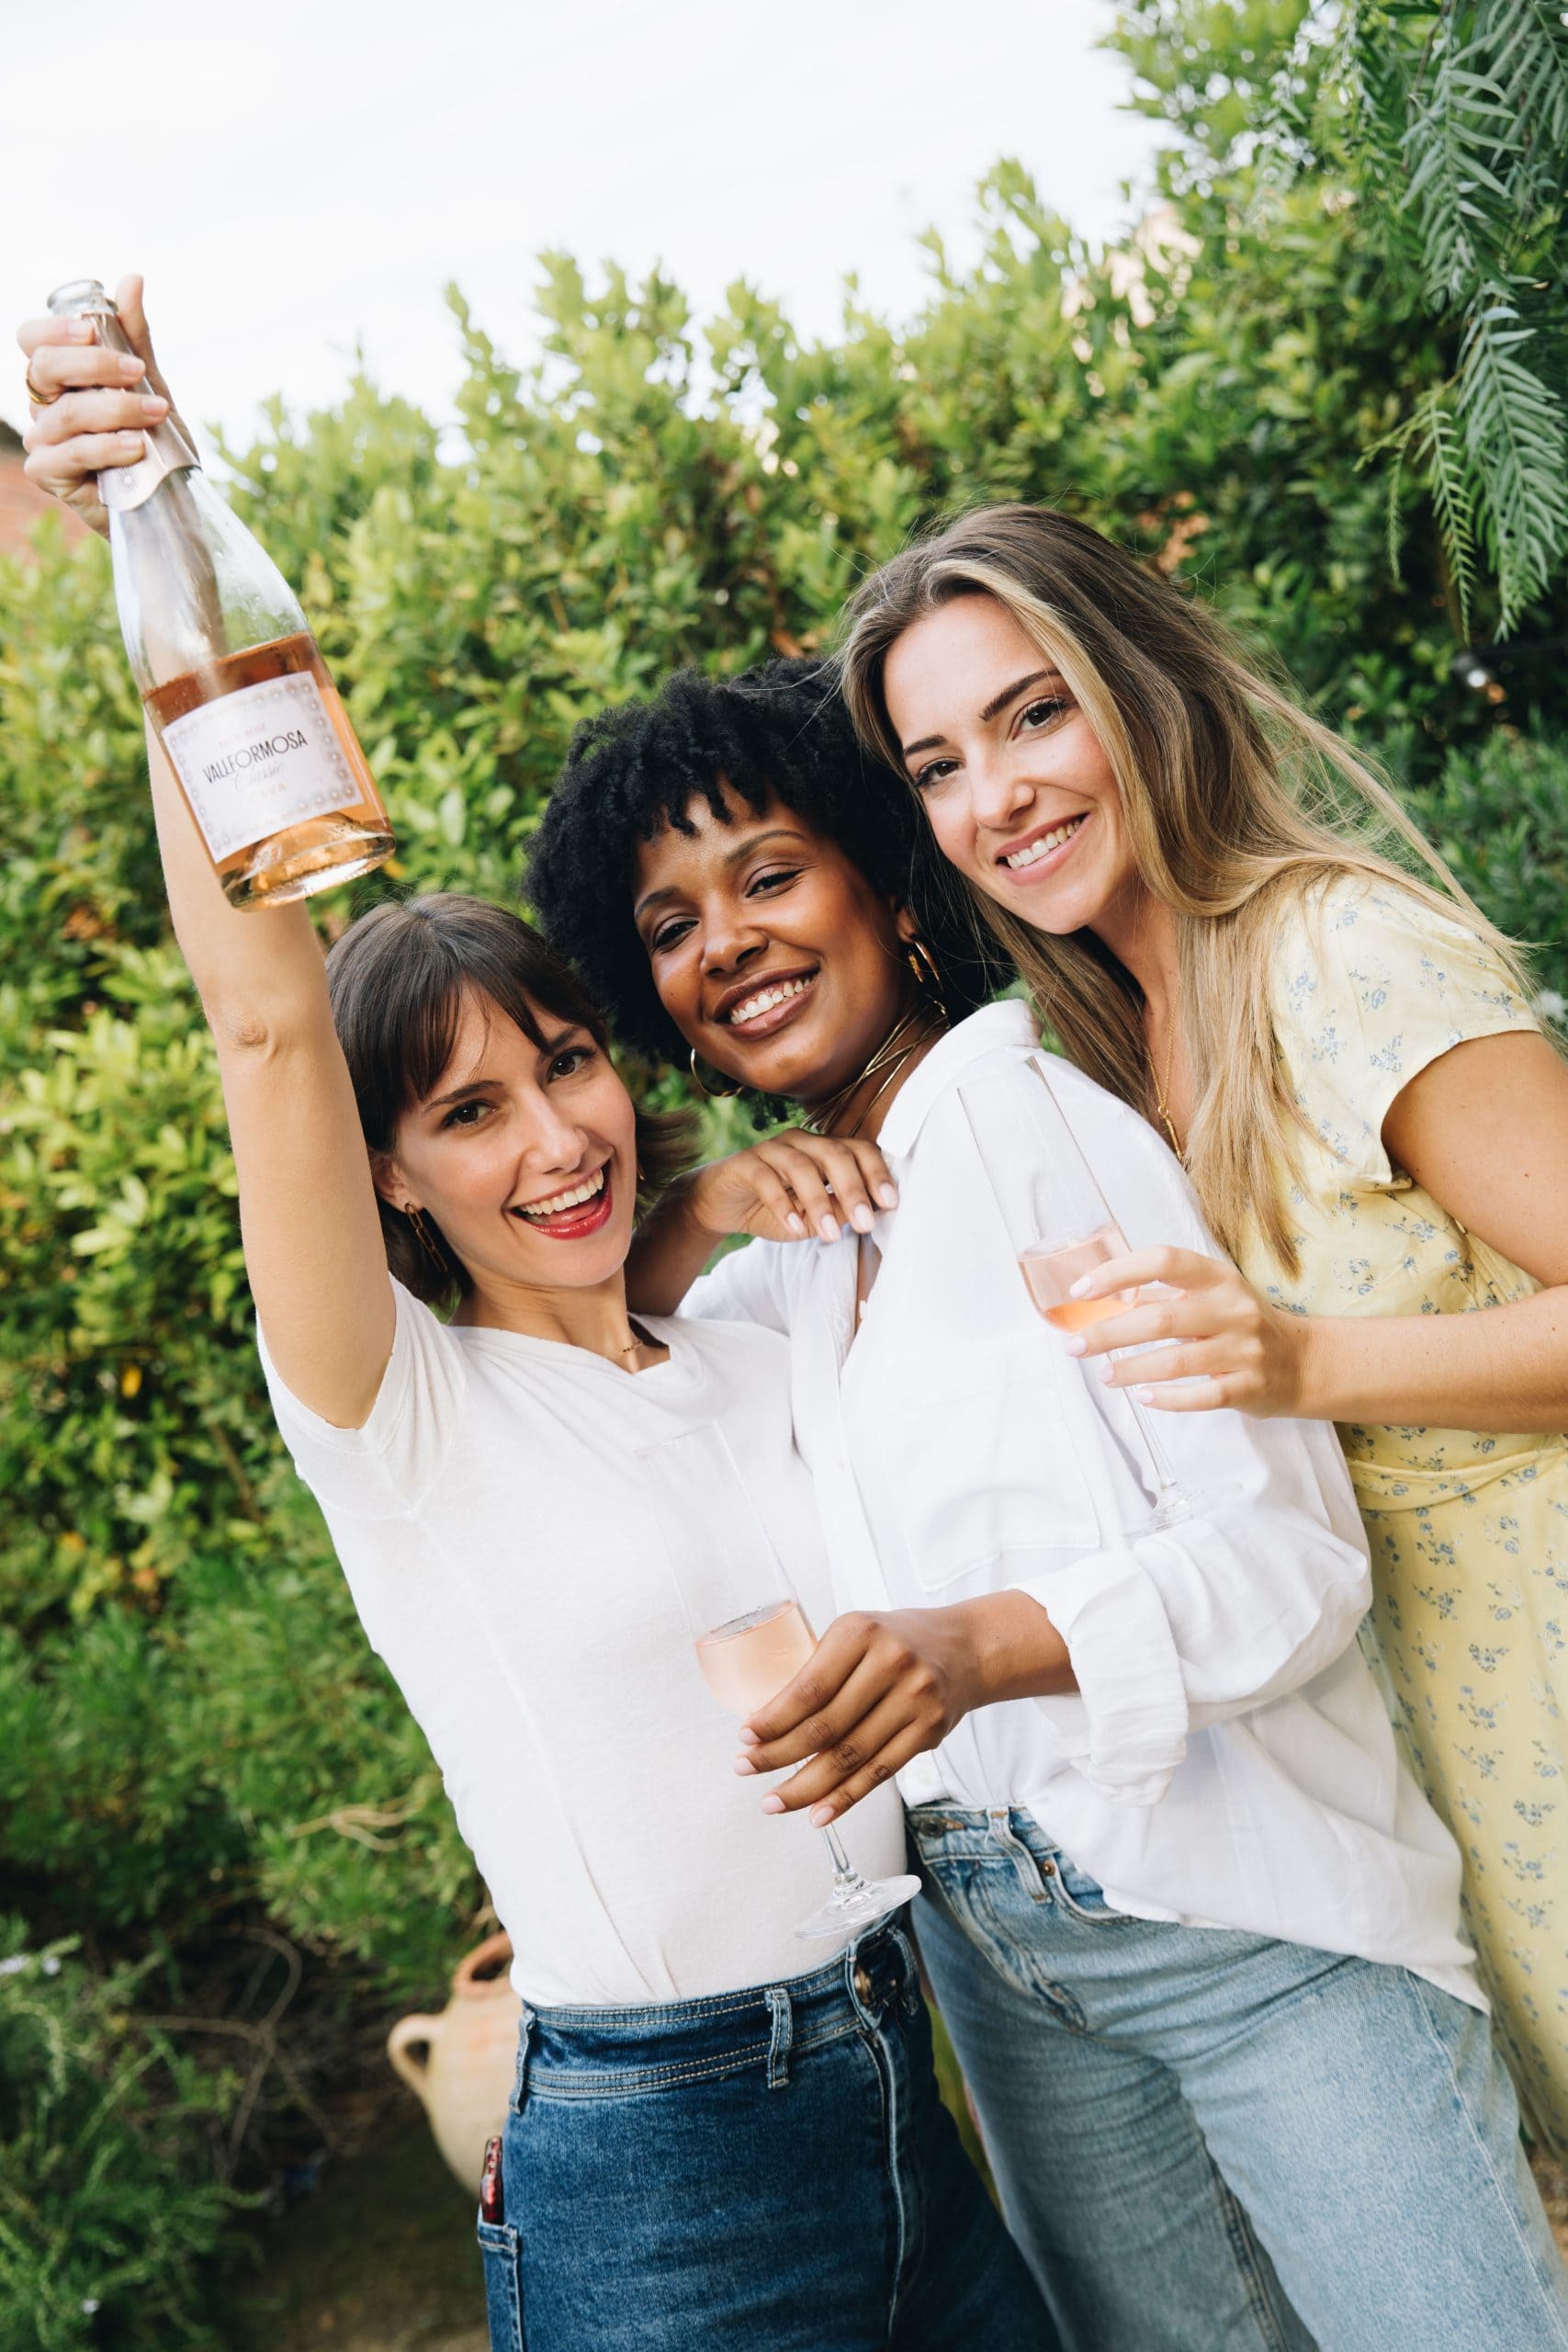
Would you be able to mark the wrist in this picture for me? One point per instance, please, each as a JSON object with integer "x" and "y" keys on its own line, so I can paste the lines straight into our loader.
{"x": 1012, "y": 1648}
{"x": 690, "y": 1201}
{"x": 1311, "y": 1340}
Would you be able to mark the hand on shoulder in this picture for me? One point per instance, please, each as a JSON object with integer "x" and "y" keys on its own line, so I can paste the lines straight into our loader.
{"x": 792, "y": 1187}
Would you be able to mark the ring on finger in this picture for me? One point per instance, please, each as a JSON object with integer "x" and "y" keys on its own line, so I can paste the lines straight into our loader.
{"x": 38, "y": 400}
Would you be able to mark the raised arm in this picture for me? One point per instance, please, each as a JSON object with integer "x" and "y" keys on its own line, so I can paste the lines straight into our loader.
{"x": 307, "y": 1214}
{"x": 308, "y": 1209}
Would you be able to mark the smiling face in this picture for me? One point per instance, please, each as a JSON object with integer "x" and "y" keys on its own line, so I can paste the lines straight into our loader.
{"x": 771, "y": 952}
{"x": 1018, "y": 792}
{"x": 524, "y": 1156}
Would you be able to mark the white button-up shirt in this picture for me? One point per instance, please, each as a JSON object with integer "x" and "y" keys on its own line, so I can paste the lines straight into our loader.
{"x": 1226, "y": 1759}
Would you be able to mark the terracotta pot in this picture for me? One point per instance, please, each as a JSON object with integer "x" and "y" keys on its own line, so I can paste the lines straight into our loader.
{"x": 462, "y": 2062}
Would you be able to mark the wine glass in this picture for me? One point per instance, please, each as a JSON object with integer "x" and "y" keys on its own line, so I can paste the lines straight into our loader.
{"x": 1061, "y": 1227}
{"x": 748, "y": 1627}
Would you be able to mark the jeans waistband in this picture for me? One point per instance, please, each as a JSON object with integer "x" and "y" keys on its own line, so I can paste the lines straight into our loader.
{"x": 958, "y": 1831}
{"x": 614, "y": 2054}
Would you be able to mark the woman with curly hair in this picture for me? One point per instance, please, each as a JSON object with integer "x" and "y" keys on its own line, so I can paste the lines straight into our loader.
{"x": 1232, "y": 925}
{"x": 1192, "y": 1925}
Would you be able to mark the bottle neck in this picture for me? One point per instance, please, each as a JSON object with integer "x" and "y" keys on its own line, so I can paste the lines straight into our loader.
{"x": 167, "y": 450}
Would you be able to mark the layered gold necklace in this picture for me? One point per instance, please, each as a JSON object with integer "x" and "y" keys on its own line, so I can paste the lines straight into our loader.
{"x": 917, "y": 1027}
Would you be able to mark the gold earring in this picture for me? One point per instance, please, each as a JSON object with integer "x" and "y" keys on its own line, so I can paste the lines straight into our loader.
{"x": 921, "y": 962}
{"x": 713, "y": 1094}
{"x": 425, "y": 1235}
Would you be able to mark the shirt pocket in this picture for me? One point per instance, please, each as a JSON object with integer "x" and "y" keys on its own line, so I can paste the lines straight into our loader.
{"x": 981, "y": 1471}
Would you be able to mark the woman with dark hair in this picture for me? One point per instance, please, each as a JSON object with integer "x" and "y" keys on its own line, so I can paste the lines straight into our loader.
{"x": 1231, "y": 924}
{"x": 1194, "y": 1929}
{"x": 706, "y": 2147}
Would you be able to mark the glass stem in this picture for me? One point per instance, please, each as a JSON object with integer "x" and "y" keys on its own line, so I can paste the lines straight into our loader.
{"x": 844, "y": 1870}
{"x": 1165, "y": 1476}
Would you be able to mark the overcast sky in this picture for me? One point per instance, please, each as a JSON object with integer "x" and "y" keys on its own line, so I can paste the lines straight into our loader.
{"x": 294, "y": 176}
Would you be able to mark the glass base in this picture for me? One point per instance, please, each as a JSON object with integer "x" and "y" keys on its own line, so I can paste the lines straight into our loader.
{"x": 1180, "y": 1503}
{"x": 860, "y": 1905}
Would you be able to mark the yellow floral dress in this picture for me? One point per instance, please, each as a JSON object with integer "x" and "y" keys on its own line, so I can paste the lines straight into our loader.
{"x": 1468, "y": 1531}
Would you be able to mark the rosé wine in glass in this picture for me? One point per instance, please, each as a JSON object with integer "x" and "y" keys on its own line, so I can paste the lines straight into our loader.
{"x": 748, "y": 1661}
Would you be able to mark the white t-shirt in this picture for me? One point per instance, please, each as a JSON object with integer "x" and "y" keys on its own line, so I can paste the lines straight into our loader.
{"x": 497, "y": 1537}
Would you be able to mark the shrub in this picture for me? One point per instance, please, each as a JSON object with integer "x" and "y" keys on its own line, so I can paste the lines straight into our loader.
{"x": 110, "y": 2215}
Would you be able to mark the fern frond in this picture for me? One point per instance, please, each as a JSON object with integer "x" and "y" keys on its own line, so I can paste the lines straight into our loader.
{"x": 1453, "y": 146}
{"x": 1515, "y": 440}
{"x": 1435, "y": 439}
{"x": 1528, "y": 42}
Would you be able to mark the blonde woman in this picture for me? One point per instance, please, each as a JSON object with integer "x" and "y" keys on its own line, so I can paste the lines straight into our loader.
{"x": 1229, "y": 922}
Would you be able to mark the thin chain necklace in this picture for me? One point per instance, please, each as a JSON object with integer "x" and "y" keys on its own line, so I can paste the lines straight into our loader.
{"x": 1162, "y": 1088}
{"x": 888, "y": 1060}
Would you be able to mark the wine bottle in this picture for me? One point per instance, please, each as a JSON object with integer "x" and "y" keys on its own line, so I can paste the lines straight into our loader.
{"x": 229, "y": 671}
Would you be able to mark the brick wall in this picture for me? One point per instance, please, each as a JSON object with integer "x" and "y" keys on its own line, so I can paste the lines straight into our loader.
{"x": 20, "y": 505}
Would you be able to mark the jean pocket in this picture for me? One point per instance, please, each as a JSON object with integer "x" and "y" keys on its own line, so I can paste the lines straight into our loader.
{"x": 1080, "y": 1896}
{"x": 503, "y": 2252}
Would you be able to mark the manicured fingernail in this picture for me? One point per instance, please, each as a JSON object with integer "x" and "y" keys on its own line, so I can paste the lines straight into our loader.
{"x": 744, "y": 1764}
{"x": 1080, "y": 1286}
{"x": 129, "y": 440}
{"x": 1144, "y": 1395}
{"x": 888, "y": 1196}
{"x": 1076, "y": 1346}
{"x": 828, "y": 1228}
{"x": 152, "y": 405}
{"x": 749, "y": 1739}
{"x": 1108, "y": 1372}
{"x": 772, "y": 1805}
{"x": 796, "y": 1224}
{"x": 861, "y": 1217}
{"x": 821, "y": 1816}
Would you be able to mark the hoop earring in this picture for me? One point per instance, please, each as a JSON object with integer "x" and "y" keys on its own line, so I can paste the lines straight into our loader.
{"x": 424, "y": 1234}
{"x": 921, "y": 962}
{"x": 713, "y": 1094}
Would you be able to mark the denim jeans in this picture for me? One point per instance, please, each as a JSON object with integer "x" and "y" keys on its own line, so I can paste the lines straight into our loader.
{"x": 764, "y": 2171}
{"x": 1161, "y": 2103}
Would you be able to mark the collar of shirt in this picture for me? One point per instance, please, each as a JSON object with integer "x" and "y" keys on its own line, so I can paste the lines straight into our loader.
{"x": 995, "y": 1028}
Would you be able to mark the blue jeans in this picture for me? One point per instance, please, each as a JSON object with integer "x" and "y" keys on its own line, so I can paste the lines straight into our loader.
{"x": 1160, "y": 2104}
{"x": 764, "y": 2171}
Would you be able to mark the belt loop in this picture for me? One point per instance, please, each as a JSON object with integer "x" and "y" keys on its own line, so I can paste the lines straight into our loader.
{"x": 520, "y": 2080}
{"x": 781, "y": 2009}
{"x": 911, "y": 1969}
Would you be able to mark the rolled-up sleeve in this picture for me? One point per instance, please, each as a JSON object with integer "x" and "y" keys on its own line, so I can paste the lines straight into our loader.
{"x": 1191, "y": 1625}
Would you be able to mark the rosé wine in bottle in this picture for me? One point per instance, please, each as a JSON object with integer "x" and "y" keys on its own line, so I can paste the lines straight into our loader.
{"x": 748, "y": 1661}
{"x": 229, "y": 673}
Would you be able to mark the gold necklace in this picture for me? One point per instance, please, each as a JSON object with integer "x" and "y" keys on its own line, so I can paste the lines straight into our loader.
{"x": 890, "y": 1057}
{"x": 1161, "y": 1089}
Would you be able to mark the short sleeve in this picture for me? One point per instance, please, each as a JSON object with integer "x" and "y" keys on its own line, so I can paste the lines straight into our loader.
{"x": 750, "y": 1285}
{"x": 1371, "y": 985}
{"x": 381, "y": 1470}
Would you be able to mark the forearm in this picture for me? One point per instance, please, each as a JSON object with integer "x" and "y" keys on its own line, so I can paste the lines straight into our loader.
{"x": 1503, "y": 1368}
{"x": 258, "y": 972}
{"x": 668, "y": 1254}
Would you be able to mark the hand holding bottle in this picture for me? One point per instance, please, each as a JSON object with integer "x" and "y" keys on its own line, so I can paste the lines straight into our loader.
{"x": 233, "y": 682}
{"x": 99, "y": 404}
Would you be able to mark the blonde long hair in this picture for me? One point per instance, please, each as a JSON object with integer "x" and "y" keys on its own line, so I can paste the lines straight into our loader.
{"x": 1237, "y": 802}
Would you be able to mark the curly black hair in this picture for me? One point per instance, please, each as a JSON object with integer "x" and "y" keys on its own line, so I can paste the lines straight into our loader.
{"x": 782, "y": 730}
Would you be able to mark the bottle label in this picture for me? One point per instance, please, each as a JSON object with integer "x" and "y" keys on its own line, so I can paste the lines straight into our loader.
{"x": 257, "y": 760}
